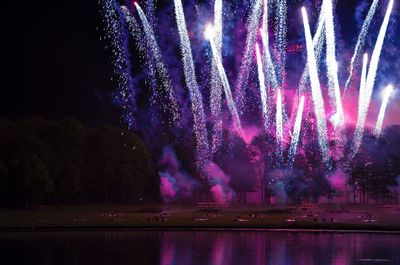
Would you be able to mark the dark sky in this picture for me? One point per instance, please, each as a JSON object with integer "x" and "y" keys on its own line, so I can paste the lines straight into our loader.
{"x": 54, "y": 64}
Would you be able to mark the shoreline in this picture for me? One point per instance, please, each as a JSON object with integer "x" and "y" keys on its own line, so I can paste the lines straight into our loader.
{"x": 294, "y": 229}
{"x": 322, "y": 218}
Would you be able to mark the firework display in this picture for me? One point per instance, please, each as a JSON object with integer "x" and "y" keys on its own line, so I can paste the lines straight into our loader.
{"x": 229, "y": 70}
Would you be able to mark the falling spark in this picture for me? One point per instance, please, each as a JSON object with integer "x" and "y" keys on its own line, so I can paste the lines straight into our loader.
{"x": 361, "y": 40}
{"x": 252, "y": 29}
{"x": 115, "y": 29}
{"x": 363, "y": 80}
{"x": 316, "y": 91}
{"x": 191, "y": 83}
{"x": 263, "y": 90}
{"x": 279, "y": 125}
{"x": 280, "y": 33}
{"x": 268, "y": 60}
{"x": 386, "y": 95}
{"x": 268, "y": 64}
{"x": 296, "y": 132}
{"x": 318, "y": 42}
{"x": 162, "y": 70}
{"x": 225, "y": 83}
{"x": 331, "y": 63}
{"x": 138, "y": 36}
{"x": 370, "y": 81}
{"x": 216, "y": 84}
{"x": 358, "y": 134}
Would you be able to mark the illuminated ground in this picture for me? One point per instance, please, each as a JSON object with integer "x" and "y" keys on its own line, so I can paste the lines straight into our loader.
{"x": 369, "y": 217}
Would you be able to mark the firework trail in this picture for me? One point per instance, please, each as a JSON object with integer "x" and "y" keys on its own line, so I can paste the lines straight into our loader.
{"x": 150, "y": 10}
{"x": 296, "y": 132}
{"x": 280, "y": 33}
{"x": 358, "y": 133}
{"x": 331, "y": 63}
{"x": 361, "y": 40}
{"x": 263, "y": 90}
{"x": 252, "y": 29}
{"x": 279, "y": 125}
{"x": 387, "y": 93}
{"x": 116, "y": 34}
{"x": 225, "y": 82}
{"x": 370, "y": 81}
{"x": 316, "y": 91}
{"x": 362, "y": 85}
{"x": 162, "y": 70}
{"x": 318, "y": 43}
{"x": 191, "y": 83}
{"x": 268, "y": 64}
{"x": 216, "y": 85}
{"x": 133, "y": 26}
{"x": 138, "y": 36}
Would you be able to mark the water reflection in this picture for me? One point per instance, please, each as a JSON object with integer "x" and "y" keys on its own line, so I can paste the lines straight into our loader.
{"x": 214, "y": 248}
{"x": 219, "y": 248}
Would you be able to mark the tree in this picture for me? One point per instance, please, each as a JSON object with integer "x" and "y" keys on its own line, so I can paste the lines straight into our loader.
{"x": 236, "y": 161}
{"x": 29, "y": 181}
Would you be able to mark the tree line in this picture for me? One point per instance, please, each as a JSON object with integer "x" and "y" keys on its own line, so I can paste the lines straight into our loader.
{"x": 66, "y": 162}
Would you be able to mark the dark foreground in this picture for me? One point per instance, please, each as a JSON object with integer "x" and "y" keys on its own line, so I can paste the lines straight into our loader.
{"x": 321, "y": 217}
{"x": 191, "y": 247}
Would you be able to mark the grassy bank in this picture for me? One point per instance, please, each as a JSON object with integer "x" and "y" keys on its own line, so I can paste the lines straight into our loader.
{"x": 380, "y": 218}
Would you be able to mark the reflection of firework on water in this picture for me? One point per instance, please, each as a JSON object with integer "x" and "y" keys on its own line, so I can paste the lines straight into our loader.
{"x": 196, "y": 96}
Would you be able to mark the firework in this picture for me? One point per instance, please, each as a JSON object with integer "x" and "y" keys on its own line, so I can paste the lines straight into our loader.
{"x": 263, "y": 90}
{"x": 279, "y": 125}
{"x": 361, "y": 40}
{"x": 316, "y": 91}
{"x": 216, "y": 85}
{"x": 370, "y": 81}
{"x": 161, "y": 69}
{"x": 252, "y": 29}
{"x": 210, "y": 33}
{"x": 358, "y": 134}
{"x": 331, "y": 63}
{"x": 386, "y": 95}
{"x": 318, "y": 42}
{"x": 280, "y": 33}
{"x": 191, "y": 83}
{"x": 296, "y": 132}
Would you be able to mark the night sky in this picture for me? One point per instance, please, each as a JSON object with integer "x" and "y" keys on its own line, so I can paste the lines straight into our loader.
{"x": 55, "y": 65}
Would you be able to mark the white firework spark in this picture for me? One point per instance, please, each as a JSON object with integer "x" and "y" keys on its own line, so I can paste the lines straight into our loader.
{"x": 191, "y": 83}
{"x": 296, "y": 132}
{"x": 252, "y": 29}
{"x": 263, "y": 90}
{"x": 370, "y": 81}
{"x": 216, "y": 84}
{"x": 316, "y": 91}
{"x": 361, "y": 40}
{"x": 151, "y": 41}
{"x": 386, "y": 95}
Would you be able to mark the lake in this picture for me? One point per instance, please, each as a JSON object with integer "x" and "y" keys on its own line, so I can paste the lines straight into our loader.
{"x": 198, "y": 247}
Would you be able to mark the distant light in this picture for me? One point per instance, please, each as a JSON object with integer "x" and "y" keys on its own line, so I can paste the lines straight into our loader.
{"x": 209, "y": 32}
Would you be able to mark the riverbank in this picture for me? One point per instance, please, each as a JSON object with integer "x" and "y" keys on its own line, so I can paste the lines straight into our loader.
{"x": 162, "y": 217}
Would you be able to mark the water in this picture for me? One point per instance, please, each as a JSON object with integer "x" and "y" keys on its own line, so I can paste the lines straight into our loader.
{"x": 190, "y": 247}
